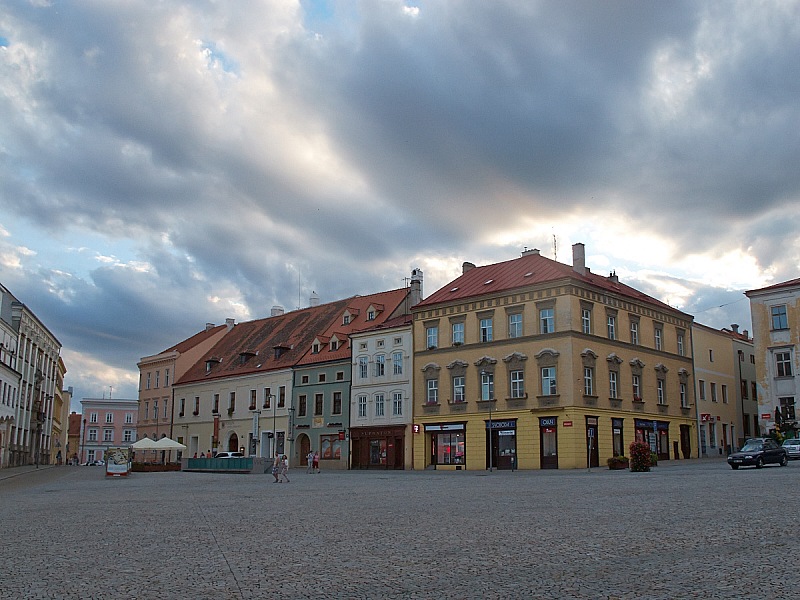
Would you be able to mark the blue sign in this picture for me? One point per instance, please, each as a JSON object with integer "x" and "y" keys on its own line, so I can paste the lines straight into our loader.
{"x": 547, "y": 421}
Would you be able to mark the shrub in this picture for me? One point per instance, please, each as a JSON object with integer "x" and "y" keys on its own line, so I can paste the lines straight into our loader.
{"x": 640, "y": 457}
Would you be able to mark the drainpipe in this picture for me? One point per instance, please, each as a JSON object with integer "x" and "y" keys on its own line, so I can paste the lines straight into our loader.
{"x": 694, "y": 391}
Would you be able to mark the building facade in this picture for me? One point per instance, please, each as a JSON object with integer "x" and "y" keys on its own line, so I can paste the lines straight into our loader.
{"x": 775, "y": 312}
{"x": 106, "y": 423}
{"x": 157, "y": 375}
{"x": 10, "y": 377}
{"x": 533, "y": 364}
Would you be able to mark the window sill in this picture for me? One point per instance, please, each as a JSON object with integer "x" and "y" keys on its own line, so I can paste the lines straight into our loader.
{"x": 485, "y": 402}
{"x": 512, "y": 398}
{"x": 456, "y": 402}
{"x": 429, "y": 404}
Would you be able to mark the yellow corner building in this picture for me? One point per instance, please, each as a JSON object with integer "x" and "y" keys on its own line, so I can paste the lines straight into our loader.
{"x": 535, "y": 364}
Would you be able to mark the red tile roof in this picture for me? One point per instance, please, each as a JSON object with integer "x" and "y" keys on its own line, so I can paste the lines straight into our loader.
{"x": 527, "y": 270}
{"x": 784, "y": 284}
{"x": 392, "y": 301}
{"x": 197, "y": 338}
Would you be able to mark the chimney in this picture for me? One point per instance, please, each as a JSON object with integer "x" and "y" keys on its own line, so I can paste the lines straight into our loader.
{"x": 746, "y": 333}
{"x": 229, "y": 323}
{"x": 612, "y": 277}
{"x": 467, "y": 266}
{"x": 416, "y": 286}
{"x": 579, "y": 258}
{"x": 314, "y": 299}
{"x": 734, "y": 328}
{"x": 210, "y": 326}
{"x": 526, "y": 252}
{"x": 276, "y": 311}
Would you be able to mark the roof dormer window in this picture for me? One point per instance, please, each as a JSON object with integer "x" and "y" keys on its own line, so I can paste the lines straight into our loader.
{"x": 315, "y": 348}
{"x": 346, "y": 319}
{"x": 371, "y": 315}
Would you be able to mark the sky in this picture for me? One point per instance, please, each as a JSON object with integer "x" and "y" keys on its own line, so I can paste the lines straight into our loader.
{"x": 164, "y": 165}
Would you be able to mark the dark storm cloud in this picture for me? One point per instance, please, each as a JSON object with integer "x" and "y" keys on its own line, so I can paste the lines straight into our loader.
{"x": 250, "y": 154}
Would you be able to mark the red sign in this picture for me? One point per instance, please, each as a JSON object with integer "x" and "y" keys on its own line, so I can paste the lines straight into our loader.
{"x": 341, "y": 435}
{"x": 567, "y": 423}
{"x": 416, "y": 428}
{"x": 705, "y": 417}
{"x": 766, "y": 416}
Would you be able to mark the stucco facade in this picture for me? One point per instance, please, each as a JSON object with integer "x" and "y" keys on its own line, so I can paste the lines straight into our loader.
{"x": 775, "y": 312}
{"x": 533, "y": 364}
{"x": 106, "y": 423}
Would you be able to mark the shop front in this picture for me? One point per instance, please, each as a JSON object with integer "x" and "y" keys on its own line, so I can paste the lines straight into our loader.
{"x": 501, "y": 438}
{"x": 548, "y": 442}
{"x": 448, "y": 444}
{"x": 655, "y": 434}
{"x": 378, "y": 447}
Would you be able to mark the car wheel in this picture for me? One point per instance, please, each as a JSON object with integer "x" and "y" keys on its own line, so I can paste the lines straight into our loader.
{"x": 784, "y": 461}
{"x": 734, "y": 467}
{"x": 759, "y": 462}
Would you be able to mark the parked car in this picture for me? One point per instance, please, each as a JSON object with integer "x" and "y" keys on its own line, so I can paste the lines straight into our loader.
{"x": 792, "y": 447}
{"x": 229, "y": 455}
{"x": 759, "y": 452}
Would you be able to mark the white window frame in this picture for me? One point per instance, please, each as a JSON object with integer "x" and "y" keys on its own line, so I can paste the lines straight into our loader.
{"x": 515, "y": 325}
{"x": 549, "y": 381}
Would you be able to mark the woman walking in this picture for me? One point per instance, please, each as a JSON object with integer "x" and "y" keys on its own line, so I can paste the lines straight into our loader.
{"x": 276, "y": 467}
{"x": 285, "y": 469}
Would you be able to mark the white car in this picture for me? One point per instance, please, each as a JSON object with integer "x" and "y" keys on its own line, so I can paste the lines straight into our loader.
{"x": 229, "y": 455}
{"x": 792, "y": 447}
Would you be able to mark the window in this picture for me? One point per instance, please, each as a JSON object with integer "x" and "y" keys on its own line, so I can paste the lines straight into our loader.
{"x": 754, "y": 389}
{"x": 346, "y": 320}
{"x": 182, "y": 410}
{"x": 109, "y": 417}
{"x": 267, "y": 397}
{"x": 362, "y": 406}
{"x": 635, "y": 333}
{"x": 787, "y": 409}
{"x": 612, "y": 327}
{"x": 158, "y": 373}
{"x": 321, "y": 378}
{"x": 380, "y": 365}
{"x": 330, "y": 447}
{"x": 710, "y": 355}
{"x": 128, "y": 418}
{"x": 459, "y": 389}
{"x": 783, "y": 363}
{"x": 155, "y": 409}
{"x": 93, "y": 416}
{"x": 108, "y": 435}
{"x": 216, "y": 403}
{"x": 166, "y": 377}
{"x": 148, "y": 381}
{"x": 637, "y": 387}
{"x": 724, "y": 394}
{"x": 586, "y": 320}
{"x": 661, "y": 391}
{"x": 379, "y": 399}
{"x": 681, "y": 351}
{"x": 517, "y": 383}
{"x": 337, "y": 403}
{"x": 546, "y": 324}
{"x": 778, "y": 316}
{"x": 743, "y": 388}
{"x": 339, "y": 375}
{"x": 397, "y": 363}
{"x": 432, "y": 391}
{"x": 450, "y": 447}
{"x": 548, "y": 381}
{"x": 302, "y": 401}
{"x": 588, "y": 381}
{"x": 92, "y": 435}
{"x": 701, "y": 386}
{"x": 318, "y": 401}
{"x": 253, "y": 394}
{"x": 487, "y": 386}
{"x": 458, "y": 333}
{"x": 432, "y": 336}
{"x": 282, "y": 396}
{"x": 370, "y": 315}
{"x": 486, "y": 330}
{"x": 362, "y": 367}
{"x": 659, "y": 335}
{"x": 397, "y": 404}
{"x": 334, "y": 345}
{"x": 166, "y": 406}
{"x": 127, "y": 435}
{"x": 613, "y": 384}
{"x": 515, "y": 325}
{"x": 196, "y": 405}
{"x": 684, "y": 399}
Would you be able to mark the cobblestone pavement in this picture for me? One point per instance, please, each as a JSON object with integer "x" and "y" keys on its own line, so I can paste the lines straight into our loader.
{"x": 686, "y": 529}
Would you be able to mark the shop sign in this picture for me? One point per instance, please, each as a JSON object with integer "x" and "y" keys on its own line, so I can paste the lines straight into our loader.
{"x": 507, "y": 432}
{"x": 416, "y": 428}
{"x": 547, "y": 421}
{"x": 766, "y": 416}
{"x": 341, "y": 434}
{"x": 453, "y": 427}
{"x": 705, "y": 417}
{"x": 567, "y": 423}
{"x": 502, "y": 424}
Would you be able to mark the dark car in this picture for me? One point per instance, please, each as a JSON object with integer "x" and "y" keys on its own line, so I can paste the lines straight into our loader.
{"x": 757, "y": 453}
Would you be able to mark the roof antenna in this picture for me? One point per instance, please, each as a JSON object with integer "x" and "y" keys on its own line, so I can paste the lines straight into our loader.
{"x": 555, "y": 247}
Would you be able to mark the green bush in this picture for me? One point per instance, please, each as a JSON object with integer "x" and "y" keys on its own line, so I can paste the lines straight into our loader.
{"x": 640, "y": 457}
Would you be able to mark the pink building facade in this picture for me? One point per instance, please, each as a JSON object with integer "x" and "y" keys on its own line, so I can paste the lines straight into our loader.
{"x": 106, "y": 423}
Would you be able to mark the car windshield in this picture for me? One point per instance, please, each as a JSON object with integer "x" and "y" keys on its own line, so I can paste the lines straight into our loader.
{"x": 791, "y": 442}
{"x": 752, "y": 447}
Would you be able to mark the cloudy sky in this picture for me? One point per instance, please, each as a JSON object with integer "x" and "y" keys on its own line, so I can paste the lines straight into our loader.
{"x": 168, "y": 164}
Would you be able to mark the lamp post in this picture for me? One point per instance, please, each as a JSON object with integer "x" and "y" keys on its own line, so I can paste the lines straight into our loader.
{"x": 274, "y": 400}
{"x": 486, "y": 393}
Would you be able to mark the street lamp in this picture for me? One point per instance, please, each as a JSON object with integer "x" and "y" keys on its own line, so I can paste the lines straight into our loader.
{"x": 274, "y": 400}
{"x": 486, "y": 395}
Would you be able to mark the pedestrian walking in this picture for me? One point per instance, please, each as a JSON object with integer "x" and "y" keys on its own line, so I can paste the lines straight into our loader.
{"x": 276, "y": 467}
{"x": 285, "y": 469}
{"x": 310, "y": 460}
{"x": 315, "y": 463}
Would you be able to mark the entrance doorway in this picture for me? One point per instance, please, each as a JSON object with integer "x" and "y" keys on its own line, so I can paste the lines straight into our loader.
{"x": 548, "y": 442}
{"x": 233, "y": 443}
{"x": 686, "y": 441}
{"x": 305, "y": 447}
{"x": 592, "y": 454}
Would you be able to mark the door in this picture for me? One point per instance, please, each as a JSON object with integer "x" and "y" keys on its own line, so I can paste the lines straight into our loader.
{"x": 686, "y": 441}
{"x": 592, "y": 452}
{"x": 548, "y": 443}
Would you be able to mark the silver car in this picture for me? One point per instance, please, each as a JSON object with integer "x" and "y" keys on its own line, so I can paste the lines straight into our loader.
{"x": 792, "y": 447}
